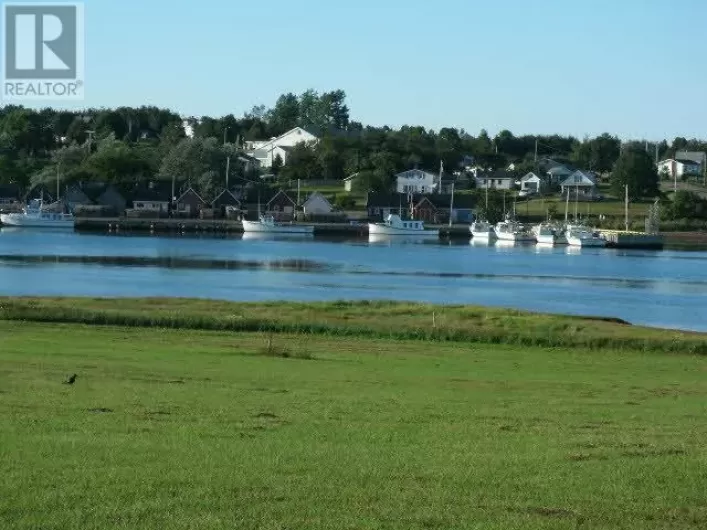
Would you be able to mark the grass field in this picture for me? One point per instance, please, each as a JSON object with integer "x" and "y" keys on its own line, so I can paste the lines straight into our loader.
{"x": 194, "y": 429}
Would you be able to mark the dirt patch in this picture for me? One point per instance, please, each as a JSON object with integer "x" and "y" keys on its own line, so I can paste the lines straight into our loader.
{"x": 651, "y": 453}
{"x": 265, "y": 415}
{"x": 585, "y": 457}
{"x": 100, "y": 410}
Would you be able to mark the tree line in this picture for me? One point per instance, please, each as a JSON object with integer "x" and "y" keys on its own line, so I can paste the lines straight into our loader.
{"x": 132, "y": 146}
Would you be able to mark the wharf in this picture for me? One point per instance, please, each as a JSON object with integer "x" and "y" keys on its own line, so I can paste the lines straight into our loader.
{"x": 637, "y": 240}
{"x": 123, "y": 224}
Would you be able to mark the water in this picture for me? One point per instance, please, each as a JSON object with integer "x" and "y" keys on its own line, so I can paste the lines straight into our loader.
{"x": 655, "y": 288}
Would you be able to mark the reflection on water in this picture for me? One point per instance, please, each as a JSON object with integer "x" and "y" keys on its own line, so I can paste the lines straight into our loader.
{"x": 404, "y": 239}
{"x": 275, "y": 236}
{"x": 482, "y": 242}
{"x": 169, "y": 262}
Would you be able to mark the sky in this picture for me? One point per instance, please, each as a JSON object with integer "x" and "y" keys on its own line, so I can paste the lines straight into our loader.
{"x": 633, "y": 68}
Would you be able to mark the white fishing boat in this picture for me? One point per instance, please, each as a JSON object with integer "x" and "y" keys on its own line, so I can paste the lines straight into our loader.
{"x": 549, "y": 234}
{"x": 35, "y": 215}
{"x": 513, "y": 231}
{"x": 395, "y": 226}
{"x": 482, "y": 230}
{"x": 267, "y": 224}
{"x": 580, "y": 236}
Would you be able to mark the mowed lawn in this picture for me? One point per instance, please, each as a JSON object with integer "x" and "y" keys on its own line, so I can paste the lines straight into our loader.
{"x": 202, "y": 430}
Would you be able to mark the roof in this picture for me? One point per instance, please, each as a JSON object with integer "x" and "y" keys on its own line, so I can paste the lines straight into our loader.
{"x": 529, "y": 176}
{"x": 443, "y": 200}
{"x": 319, "y": 195}
{"x": 698, "y": 157}
{"x": 579, "y": 178}
{"x": 10, "y": 191}
{"x": 226, "y": 197}
{"x": 281, "y": 193}
{"x": 187, "y": 191}
{"x": 687, "y": 161}
{"x": 498, "y": 174}
{"x": 155, "y": 192}
{"x": 415, "y": 173}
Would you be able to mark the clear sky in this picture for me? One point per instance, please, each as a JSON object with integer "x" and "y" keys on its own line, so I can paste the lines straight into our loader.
{"x": 635, "y": 68}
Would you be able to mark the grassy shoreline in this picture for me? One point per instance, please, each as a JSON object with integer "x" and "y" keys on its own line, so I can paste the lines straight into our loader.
{"x": 189, "y": 429}
{"x": 385, "y": 320}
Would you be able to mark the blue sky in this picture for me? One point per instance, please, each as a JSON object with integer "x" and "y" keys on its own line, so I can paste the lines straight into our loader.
{"x": 635, "y": 68}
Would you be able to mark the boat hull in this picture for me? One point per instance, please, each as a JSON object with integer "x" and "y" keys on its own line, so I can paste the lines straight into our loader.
{"x": 264, "y": 228}
{"x": 482, "y": 234}
{"x": 515, "y": 238}
{"x": 586, "y": 242}
{"x": 386, "y": 230}
{"x": 20, "y": 220}
{"x": 551, "y": 239}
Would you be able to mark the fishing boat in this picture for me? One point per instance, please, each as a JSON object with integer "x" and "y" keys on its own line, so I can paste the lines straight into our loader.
{"x": 549, "y": 234}
{"x": 581, "y": 236}
{"x": 509, "y": 230}
{"x": 395, "y": 226}
{"x": 35, "y": 215}
{"x": 267, "y": 224}
{"x": 482, "y": 230}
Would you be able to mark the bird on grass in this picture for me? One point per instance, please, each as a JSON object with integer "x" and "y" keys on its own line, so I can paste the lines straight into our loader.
{"x": 71, "y": 380}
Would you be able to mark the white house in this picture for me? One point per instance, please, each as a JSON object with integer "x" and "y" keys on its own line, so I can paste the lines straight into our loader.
{"x": 677, "y": 168}
{"x": 317, "y": 204}
{"x": 531, "y": 182}
{"x": 499, "y": 181}
{"x": 267, "y": 150}
{"x": 582, "y": 183}
{"x": 416, "y": 181}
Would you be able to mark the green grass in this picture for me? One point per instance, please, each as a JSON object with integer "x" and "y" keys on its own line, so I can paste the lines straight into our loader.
{"x": 185, "y": 429}
{"x": 609, "y": 207}
{"x": 402, "y": 321}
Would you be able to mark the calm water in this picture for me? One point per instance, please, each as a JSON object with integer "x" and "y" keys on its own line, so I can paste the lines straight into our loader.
{"x": 657, "y": 288}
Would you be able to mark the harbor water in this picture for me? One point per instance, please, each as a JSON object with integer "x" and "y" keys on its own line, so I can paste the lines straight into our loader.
{"x": 656, "y": 288}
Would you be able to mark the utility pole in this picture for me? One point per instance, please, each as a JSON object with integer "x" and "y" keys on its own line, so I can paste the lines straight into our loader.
{"x": 536, "y": 151}
{"x": 228, "y": 168}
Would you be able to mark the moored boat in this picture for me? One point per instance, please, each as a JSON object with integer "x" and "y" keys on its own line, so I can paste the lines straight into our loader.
{"x": 482, "y": 230}
{"x": 35, "y": 215}
{"x": 512, "y": 231}
{"x": 548, "y": 234}
{"x": 581, "y": 236}
{"x": 267, "y": 224}
{"x": 395, "y": 226}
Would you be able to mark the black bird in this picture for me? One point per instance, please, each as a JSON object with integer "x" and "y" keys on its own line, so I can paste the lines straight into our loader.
{"x": 71, "y": 380}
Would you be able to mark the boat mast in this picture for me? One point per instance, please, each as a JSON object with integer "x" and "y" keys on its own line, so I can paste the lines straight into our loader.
{"x": 451, "y": 206}
{"x": 576, "y": 202}
{"x": 626, "y": 208}
{"x": 567, "y": 206}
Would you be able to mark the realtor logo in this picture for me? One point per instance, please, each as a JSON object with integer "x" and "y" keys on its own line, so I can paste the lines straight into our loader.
{"x": 43, "y": 51}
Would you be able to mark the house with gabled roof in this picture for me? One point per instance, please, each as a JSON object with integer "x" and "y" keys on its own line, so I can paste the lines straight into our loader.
{"x": 190, "y": 203}
{"x": 580, "y": 183}
{"x": 317, "y": 204}
{"x": 265, "y": 151}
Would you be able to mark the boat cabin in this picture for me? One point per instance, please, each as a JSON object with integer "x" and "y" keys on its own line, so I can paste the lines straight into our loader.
{"x": 395, "y": 221}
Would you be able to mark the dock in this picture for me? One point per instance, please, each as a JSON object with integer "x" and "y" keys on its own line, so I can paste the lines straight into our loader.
{"x": 628, "y": 239}
{"x": 225, "y": 226}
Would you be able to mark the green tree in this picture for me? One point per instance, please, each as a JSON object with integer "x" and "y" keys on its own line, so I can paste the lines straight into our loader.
{"x": 285, "y": 115}
{"x": 635, "y": 169}
{"x": 686, "y": 205}
{"x": 276, "y": 165}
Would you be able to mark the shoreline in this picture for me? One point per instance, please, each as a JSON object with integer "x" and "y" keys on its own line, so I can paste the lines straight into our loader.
{"x": 375, "y": 319}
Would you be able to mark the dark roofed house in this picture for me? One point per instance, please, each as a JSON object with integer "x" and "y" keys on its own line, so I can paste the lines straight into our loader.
{"x": 76, "y": 196}
{"x": 154, "y": 198}
{"x": 281, "y": 206}
{"x": 380, "y": 205}
{"x": 435, "y": 208}
{"x": 226, "y": 204}
{"x": 190, "y": 203}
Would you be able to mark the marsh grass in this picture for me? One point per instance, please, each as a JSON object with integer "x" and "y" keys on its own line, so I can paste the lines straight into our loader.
{"x": 392, "y": 320}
